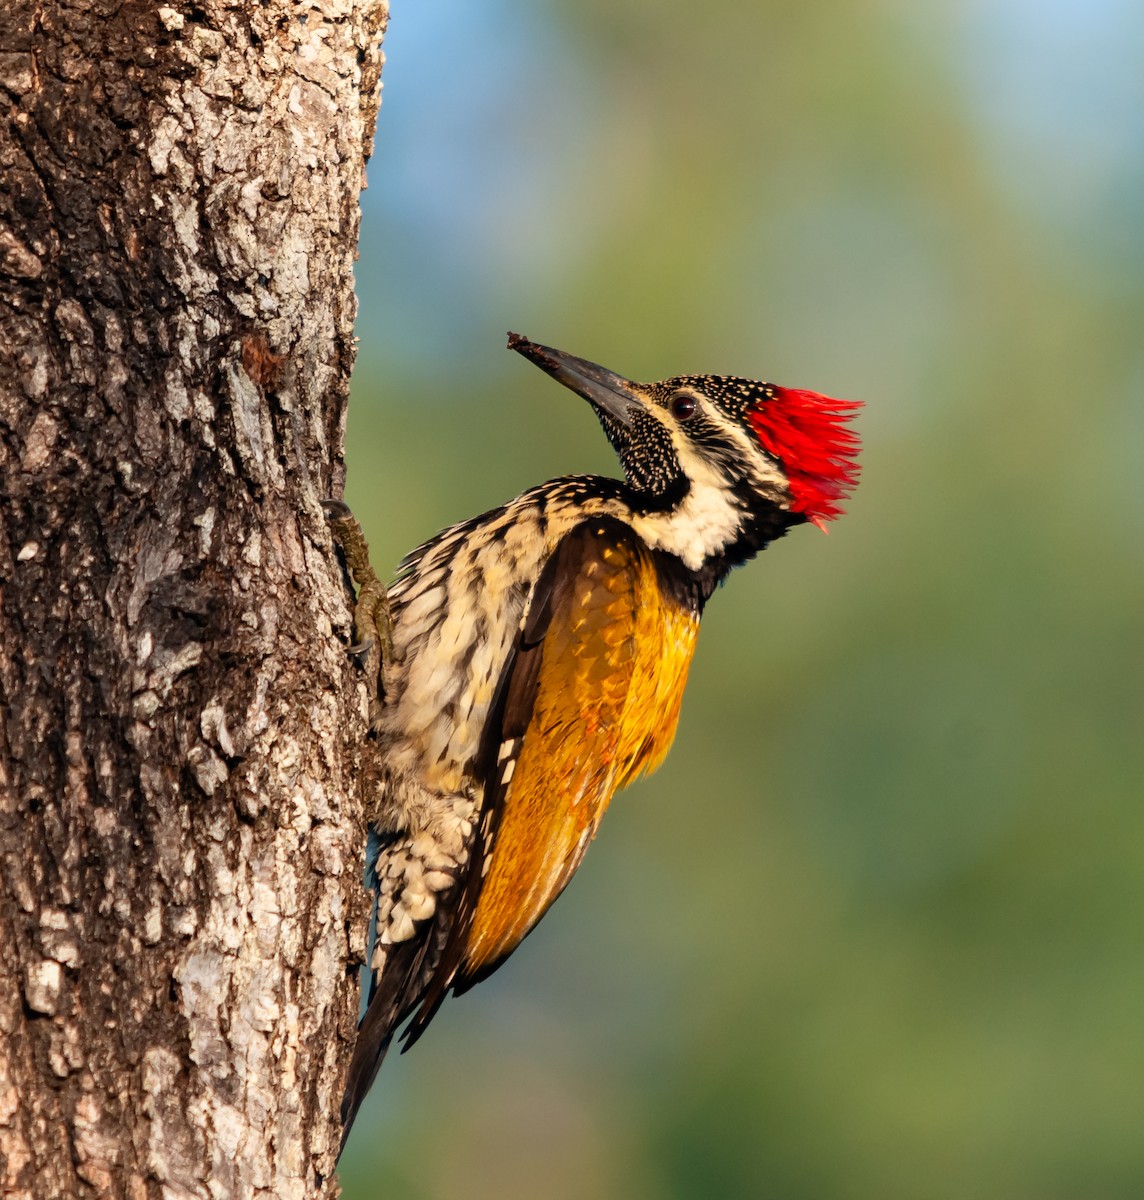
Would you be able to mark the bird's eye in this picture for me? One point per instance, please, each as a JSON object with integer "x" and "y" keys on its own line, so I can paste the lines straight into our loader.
{"x": 682, "y": 405}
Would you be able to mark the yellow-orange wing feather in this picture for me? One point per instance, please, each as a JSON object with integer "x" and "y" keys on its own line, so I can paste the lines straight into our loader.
{"x": 602, "y": 688}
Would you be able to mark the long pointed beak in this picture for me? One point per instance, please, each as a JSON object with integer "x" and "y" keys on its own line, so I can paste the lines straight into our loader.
{"x": 609, "y": 392}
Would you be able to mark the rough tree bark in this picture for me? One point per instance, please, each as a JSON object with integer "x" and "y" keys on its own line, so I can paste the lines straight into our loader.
{"x": 179, "y": 722}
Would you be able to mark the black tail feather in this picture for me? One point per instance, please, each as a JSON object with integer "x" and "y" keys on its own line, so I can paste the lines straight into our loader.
{"x": 397, "y": 989}
{"x": 374, "y": 1035}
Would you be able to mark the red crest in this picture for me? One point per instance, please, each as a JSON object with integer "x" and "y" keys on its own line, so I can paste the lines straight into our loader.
{"x": 807, "y": 433}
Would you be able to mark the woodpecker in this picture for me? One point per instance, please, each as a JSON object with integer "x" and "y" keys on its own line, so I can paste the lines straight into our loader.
{"x": 533, "y": 659}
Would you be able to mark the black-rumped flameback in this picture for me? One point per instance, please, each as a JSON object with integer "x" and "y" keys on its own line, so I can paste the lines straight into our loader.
{"x": 535, "y": 660}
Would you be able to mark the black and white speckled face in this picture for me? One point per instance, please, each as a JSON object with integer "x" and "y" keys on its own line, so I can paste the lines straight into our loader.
{"x": 694, "y": 428}
{"x": 703, "y": 486}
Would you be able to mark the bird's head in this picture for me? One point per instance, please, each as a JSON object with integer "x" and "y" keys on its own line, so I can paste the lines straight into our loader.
{"x": 716, "y": 459}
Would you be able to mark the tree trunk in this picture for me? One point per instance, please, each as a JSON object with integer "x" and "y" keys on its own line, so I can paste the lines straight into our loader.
{"x": 180, "y": 838}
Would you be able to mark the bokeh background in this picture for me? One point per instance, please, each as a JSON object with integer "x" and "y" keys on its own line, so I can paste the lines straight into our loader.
{"x": 877, "y": 928}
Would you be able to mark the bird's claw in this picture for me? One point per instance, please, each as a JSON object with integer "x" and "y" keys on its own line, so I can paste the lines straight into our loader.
{"x": 337, "y": 510}
{"x": 373, "y": 645}
{"x": 360, "y": 649}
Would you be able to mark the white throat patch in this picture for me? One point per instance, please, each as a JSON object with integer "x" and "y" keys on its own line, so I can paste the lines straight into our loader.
{"x": 705, "y": 522}
{"x": 710, "y": 517}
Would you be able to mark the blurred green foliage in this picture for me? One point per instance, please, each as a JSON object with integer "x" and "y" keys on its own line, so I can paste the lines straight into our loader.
{"x": 877, "y": 928}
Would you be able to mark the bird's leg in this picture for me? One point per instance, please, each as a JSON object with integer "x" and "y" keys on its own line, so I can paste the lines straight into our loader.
{"x": 372, "y": 627}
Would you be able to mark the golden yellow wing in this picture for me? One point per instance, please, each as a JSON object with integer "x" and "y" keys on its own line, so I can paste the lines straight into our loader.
{"x": 592, "y": 700}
